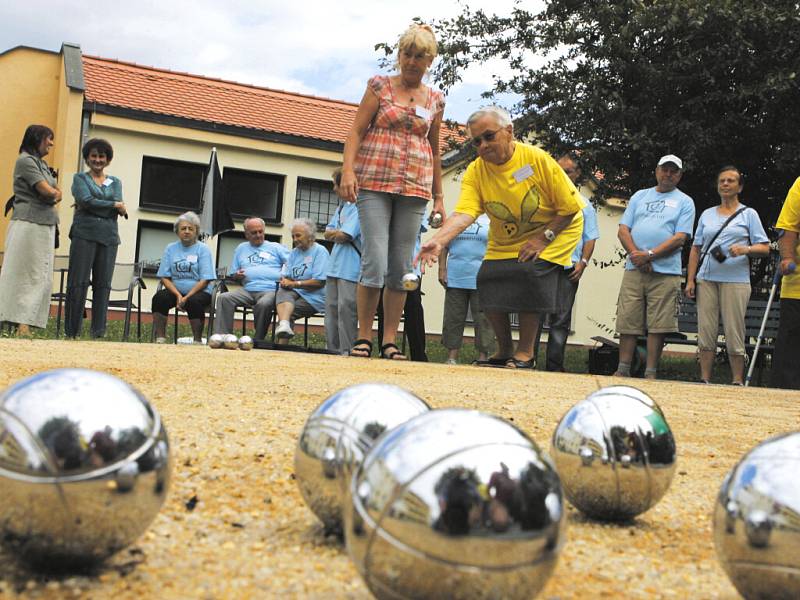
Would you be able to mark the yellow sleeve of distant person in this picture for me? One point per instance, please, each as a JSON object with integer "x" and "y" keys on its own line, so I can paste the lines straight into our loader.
{"x": 789, "y": 220}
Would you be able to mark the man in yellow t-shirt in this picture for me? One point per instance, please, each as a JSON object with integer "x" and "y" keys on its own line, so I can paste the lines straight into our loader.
{"x": 535, "y": 223}
{"x": 786, "y": 363}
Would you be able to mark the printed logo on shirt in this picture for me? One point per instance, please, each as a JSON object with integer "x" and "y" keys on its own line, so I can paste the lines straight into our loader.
{"x": 655, "y": 206}
{"x": 183, "y": 266}
{"x": 258, "y": 258}
{"x": 298, "y": 271}
{"x": 512, "y": 226}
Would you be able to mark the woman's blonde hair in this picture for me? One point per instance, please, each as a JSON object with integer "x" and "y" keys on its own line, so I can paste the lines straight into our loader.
{"x": 421, "y": 37}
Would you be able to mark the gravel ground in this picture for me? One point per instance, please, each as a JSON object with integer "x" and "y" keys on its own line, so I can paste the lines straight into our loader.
{"x": 233, "y": 420}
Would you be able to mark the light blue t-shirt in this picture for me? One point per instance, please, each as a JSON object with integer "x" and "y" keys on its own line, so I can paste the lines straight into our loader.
{"x": 745, "y": 230}
{"x": 186, "y": 265}
{"x": 345, "y": 261}
{"x": 465, "y": 254}
{"x": 653, "y": 218}
{"x": 262, "y": 265}
{"x": 309, "y": 264}
{"x": 590, "y": 231}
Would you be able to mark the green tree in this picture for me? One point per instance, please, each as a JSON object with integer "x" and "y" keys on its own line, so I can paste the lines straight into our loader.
{"x": 628, "y": 81}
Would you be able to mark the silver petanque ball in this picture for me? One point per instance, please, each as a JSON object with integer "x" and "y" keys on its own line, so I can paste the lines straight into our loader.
{"x": 615, "y": 453}
{"x": 216, "y": 341}
{"x": 245, "y": 343}
{"x": 455, "y": 504}
{"x": 84, "y": 467}
{"x": 757, "y": 520}
{"x": 336, "y": 437}
{"x": 410, "y": 282}
{"x": 230, "y": 341}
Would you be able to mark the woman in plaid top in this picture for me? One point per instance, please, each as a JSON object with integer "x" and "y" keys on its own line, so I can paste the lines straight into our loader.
{"x": 392, "y": 168}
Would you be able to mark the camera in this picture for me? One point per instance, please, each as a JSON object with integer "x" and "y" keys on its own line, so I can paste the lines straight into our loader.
{"x": 718, "y": 254}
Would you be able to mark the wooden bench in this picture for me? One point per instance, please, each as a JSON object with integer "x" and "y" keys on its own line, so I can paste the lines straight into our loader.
{"x": 687, "y": 325}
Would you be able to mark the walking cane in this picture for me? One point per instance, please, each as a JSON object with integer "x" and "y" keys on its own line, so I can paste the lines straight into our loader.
{"x": 775, "y": 281}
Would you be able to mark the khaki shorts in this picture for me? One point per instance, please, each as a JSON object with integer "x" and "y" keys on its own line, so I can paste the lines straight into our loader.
{"x": 648, "y": 303}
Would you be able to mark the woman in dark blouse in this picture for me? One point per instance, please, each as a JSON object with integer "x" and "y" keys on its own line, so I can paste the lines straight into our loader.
{"x": 93, "y": 250}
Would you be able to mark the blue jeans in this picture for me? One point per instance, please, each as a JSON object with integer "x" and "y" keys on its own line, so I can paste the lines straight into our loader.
{"x": 389, "y": 228}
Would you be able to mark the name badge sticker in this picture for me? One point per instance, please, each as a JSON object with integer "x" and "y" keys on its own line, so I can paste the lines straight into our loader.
{"x": 423, "y": 113}
{"x": 191, "y": 258}
{"x": 308, "y": 260}
{"x": 522, "y": 173}
{"x": 671, "y": 203}
{"x": 108, "y": 182}
{"x": 263, "y": 254}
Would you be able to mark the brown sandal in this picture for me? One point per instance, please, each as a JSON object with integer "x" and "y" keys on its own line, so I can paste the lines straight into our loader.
{"x": 361, "y": 348}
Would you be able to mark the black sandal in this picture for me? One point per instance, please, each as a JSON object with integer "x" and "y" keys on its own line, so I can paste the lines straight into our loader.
{"x": 365, "y": 349}
{"x": 516, "y": 363}
{"x": 396, "y": 355}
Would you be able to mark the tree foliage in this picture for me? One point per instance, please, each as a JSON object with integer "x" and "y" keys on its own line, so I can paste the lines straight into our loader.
{"x": 625, "y": 82}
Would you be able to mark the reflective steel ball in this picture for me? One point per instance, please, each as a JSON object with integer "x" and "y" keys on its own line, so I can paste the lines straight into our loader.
{"x": 216, "y": 341}
{"x": 757, "y": 520}
{"x": 336, "y": 437}
{"x": 435, "y": 220}
{"x": 84, "y": 467}
{"x": 410, "y": 282}
{"x": 455, "y": 504}
{"x": 245, "y": 343}
{"x": 615, "y": 453}
{"x": 230, "y": 341}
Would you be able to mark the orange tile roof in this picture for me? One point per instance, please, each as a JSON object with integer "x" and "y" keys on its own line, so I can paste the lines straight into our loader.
{"x": 158, "y": 91}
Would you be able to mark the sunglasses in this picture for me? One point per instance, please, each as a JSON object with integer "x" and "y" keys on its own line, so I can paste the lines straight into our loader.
{"x": 486, "y": 136}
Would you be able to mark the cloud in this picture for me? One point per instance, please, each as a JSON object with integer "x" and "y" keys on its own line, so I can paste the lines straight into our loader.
{"x": 310, "y": 46}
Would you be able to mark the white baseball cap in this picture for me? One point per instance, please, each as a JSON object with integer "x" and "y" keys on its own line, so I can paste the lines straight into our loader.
{"x": 671, "y": 158}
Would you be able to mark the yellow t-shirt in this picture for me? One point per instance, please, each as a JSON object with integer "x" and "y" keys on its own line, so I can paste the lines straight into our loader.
{"x": 789, "y": 220}
{"x": 521, "y": 196}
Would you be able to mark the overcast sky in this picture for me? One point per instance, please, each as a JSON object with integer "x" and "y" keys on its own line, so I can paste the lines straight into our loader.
{"x": 318, "y": 47}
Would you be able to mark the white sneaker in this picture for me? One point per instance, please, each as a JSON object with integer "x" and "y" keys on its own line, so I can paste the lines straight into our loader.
{"x": 284, "y": 330}
{"x": 451, "y": 361}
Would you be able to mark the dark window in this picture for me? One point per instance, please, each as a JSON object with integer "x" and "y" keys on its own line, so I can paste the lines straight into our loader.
{"x": 171, "y": 185}
{"x": 151, "y": 239}
{"x": 315, "y": 200}
{"x": 228, "y": 241}
{"x": 254, "y": 194}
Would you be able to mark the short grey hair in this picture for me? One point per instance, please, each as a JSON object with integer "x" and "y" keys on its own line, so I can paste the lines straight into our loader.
{"x": 307, "y": 224}
{"x": 259, "y": 219}
{"x": 500, "y": 115}
{"x": 189, "y": 217}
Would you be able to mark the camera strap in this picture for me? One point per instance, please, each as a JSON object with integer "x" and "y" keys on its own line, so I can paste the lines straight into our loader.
{"x": 716, "y": 235}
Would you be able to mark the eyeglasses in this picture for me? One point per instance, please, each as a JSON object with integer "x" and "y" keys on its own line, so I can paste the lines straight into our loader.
{"x": 486, "y": 136}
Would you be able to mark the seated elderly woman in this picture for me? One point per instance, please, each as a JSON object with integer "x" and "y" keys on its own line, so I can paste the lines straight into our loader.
{"x": 302, "y": 288}
{"x": 186, "y": 271}
{"x": 535, "y": 222}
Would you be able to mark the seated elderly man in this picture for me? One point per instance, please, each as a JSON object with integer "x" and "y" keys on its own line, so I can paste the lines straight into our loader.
{"x": 535, "y": 222}
{"x": 302, "y": 288}
{"x": 257, "y": 264}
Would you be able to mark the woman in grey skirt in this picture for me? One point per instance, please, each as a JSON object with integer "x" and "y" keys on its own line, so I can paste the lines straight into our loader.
{"x": 535, "y": 222}
{"x": 26, "y": 279}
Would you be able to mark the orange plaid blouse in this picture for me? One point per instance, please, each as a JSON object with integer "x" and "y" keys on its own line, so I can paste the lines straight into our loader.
{"x": 395, "y": 155}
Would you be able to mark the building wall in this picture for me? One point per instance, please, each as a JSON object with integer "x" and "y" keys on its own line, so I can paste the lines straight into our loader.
{"x": 28, "y": 95}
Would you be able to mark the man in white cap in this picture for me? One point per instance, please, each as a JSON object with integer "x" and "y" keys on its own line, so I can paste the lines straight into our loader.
{"x": 656, "y": 224}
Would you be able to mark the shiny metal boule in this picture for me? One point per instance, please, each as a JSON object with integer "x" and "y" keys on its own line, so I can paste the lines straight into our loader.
{"x": 245, "y": 343}
{"x": 336, "y": 437}
{"x": 455, "y": 504}
{"x": 435, "y": 220}
{"x": 84, "y": 467}
{"x": 230, "y": 341}
{"x": 615, "y": 453}
{"x": 410, "y": 282}
{"x": 757, "y": 521}
{"x": 216, "y": 341}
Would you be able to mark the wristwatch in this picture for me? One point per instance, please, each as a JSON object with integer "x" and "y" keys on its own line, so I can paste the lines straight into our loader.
{"x": 651, "y": 255}
{"x": 584, "y": 261}
{"x": 549, "y": 235}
